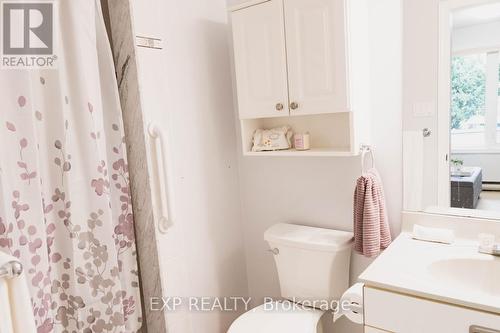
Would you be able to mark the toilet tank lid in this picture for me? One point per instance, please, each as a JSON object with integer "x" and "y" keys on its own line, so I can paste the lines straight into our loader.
{"x": 310, "y": 238}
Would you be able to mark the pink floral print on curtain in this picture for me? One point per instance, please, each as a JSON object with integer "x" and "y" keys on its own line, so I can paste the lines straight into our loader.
{"x": 65, "y": 205}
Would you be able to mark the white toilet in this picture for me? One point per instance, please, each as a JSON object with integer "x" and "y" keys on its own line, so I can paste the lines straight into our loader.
{"x": 313, "y": 270}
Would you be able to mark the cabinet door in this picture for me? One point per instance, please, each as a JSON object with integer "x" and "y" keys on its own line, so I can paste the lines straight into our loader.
{"x": 405, "y": 314}
{"x": 260, "y": 60}
{"x": 316, "y": 52}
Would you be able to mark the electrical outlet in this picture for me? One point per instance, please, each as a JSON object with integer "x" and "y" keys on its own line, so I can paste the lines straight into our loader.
{"x": 424, "y": 109}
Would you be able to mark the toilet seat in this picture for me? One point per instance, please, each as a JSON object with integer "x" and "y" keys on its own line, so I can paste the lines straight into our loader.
{"x": 278, "y": 317}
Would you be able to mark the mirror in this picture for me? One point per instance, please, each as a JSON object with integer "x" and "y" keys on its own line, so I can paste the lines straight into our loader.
{"x": 467, "y": 134}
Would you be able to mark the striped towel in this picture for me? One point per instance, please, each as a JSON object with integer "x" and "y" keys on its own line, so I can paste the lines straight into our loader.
{"x": 371, "y": 226}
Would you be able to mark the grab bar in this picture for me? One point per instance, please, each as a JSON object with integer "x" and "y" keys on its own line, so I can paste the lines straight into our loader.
{"x": 11, "y": 270}
{"x": 166, "y": 197}
{"x": 479, "y": 329}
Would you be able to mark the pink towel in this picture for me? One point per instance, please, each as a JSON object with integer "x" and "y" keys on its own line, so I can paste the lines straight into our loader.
{"x": 371, "y": 226}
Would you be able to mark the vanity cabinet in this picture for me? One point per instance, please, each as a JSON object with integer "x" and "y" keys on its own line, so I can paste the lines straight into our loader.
{"x": 393, "y": 312}
{"x": 304, "y": 63}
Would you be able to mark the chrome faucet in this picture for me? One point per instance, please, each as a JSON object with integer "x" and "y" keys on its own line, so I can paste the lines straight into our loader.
{"x": 492, "y": 250}
{"x": 496, "y": 250}
{"x": 487, "y": 245}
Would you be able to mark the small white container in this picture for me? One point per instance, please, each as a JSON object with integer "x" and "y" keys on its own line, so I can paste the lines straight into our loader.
{"x": 486, "y": 243}
{"x": 302, "y": 141}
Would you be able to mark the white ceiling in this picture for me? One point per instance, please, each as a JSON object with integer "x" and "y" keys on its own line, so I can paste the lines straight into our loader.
{"x": 476, "y": 15}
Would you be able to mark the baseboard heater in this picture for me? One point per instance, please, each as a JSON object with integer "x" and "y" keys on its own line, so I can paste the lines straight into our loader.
{"x": 491, "y": 186}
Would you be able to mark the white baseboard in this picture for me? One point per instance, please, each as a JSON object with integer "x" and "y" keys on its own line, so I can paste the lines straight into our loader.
{"x": 491, "y": 187}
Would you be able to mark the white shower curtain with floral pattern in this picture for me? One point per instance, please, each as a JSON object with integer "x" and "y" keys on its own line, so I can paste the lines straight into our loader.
{"x": 65, "y": 204}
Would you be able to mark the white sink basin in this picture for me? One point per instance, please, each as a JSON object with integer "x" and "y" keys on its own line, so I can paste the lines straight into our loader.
{"x": 478, "y": 275}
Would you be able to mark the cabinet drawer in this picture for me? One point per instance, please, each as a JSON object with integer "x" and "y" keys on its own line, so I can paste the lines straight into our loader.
{"x": 405, "y": 314}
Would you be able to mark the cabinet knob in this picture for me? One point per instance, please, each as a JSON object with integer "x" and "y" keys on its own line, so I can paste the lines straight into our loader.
{"x": 294, "y": 105}
{"x": 279, "y": 106}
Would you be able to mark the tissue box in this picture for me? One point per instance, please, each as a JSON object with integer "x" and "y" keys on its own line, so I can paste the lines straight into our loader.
{"x": 278, "y": 138}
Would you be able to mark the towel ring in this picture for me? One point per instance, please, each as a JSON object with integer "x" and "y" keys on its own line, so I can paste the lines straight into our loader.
{"x": 365, "y": 150}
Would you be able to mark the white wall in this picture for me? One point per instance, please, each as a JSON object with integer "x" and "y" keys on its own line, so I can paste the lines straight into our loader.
{"x": 186, "y": 88}
{"x": 234, "y": 2}
{"x": 319, "y": 191}
{"x": 420, "y": 83}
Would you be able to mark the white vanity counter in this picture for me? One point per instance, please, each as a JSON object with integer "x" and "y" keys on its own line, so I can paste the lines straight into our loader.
{"x": 456, "y": 273}
{"x": 416, "y": 286}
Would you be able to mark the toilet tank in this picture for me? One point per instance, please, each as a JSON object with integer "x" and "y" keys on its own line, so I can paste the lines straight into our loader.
{"x": 312, "y": 263}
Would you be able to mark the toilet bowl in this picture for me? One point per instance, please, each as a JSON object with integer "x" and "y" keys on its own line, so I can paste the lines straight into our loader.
{"x": 313, "y": 270}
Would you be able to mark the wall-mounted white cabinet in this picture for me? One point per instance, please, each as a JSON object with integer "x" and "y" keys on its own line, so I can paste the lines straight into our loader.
{"x": 301, "y": 63}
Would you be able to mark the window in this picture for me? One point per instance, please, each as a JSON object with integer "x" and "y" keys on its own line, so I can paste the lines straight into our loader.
{"x": 475, "y": 101}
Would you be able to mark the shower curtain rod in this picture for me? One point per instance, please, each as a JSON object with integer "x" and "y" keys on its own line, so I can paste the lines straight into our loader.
{"x": 11, "y": 269}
